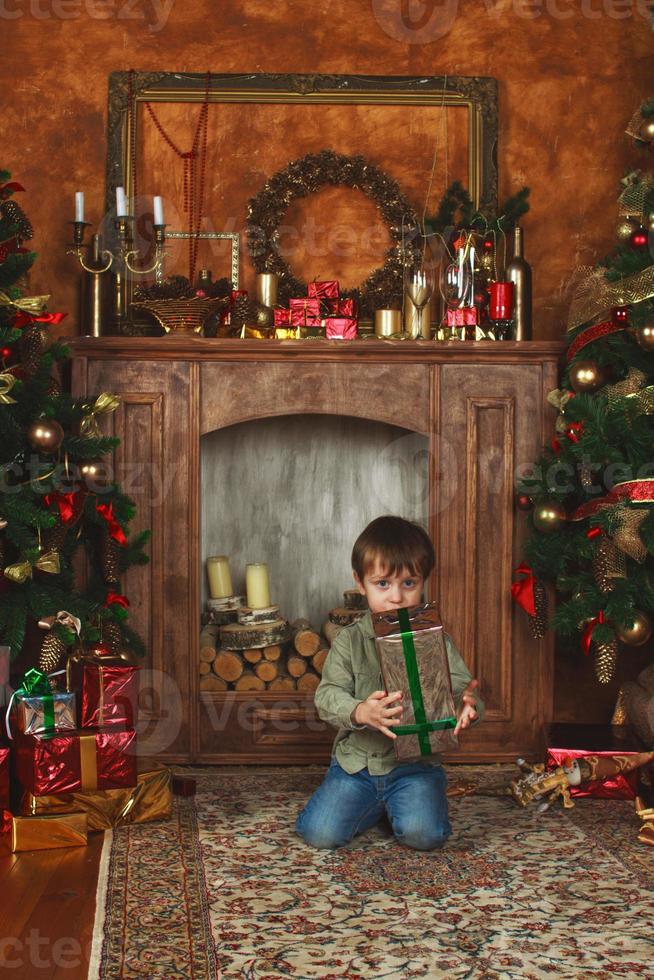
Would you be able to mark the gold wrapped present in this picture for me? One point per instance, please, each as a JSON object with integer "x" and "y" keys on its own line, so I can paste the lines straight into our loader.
{"x": 150, "y": 799}
{"x": 41, "y": 833}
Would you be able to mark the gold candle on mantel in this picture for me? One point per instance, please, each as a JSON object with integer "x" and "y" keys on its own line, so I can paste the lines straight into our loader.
{"x": 267, "y": 283}
{"x": 257, "y": 586}
{"x": 388, "y": 322}
{"x": 220, "y": 579}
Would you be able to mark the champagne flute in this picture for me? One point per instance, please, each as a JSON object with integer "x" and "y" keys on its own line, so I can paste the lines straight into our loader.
{"x": 419, "y": 290}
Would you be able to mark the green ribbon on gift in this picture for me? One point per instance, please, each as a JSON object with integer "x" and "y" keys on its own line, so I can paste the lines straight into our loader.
{"x": 35, "y": 684}
{"x": 422, "y": 727}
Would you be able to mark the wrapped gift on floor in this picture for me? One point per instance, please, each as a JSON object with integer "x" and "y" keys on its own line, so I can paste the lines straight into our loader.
{"x": 35, "y": 708}
{"x": 109, "y": 693}
{"x": 151, "y": 799}
{"x": 64, "y": 763}
{"x": 45, "y": 832}
{"x": 413, "y": 659}
{"x": 4, "y": 779}
{"x": 324, "y": 289}
{"x": 305, "y": 312}
{"x": 340, "y": 328}
{"x": 611, "y": 751}
{"x": 184, "y": 785}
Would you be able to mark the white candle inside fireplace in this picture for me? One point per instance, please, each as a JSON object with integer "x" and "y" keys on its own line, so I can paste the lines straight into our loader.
{"x": 257, "y": 585}
{"x": 79, "y": 205}
{"x": 220, "y": 579}
{"x": 158, "y": 211}
{"x": 121, "y": 203}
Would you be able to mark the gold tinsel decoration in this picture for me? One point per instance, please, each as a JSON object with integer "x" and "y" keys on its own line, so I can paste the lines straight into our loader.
{"x": 32, "y": 346}
{"x": 627, "y": 531}
{"x": 301, "y": 178}
{"x": 606, "y": 658}
{"x": 594, "y": 295}
{"x": 609, "y": 563}
{"x": 52, "y": 650}
{"x": 538, "y": 623}
{"x": 629, "y": 385}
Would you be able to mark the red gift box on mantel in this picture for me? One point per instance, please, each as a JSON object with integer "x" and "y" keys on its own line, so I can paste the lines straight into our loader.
{"x": 603, "y": 747}
{"x": 324, "y": 289}
{"x": 65, "y": 763}
{"x": 109, "y": 694}
{"x": 340, "y": 328}
{"x": 282, "y": 317}
{"x": 305, "y": 312}
{"x": 347, "y": 307}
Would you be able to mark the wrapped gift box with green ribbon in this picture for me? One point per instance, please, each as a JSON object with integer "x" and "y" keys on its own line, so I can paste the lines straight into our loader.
{"x": 36, "y": 709}
{"x": 413, "y": 658}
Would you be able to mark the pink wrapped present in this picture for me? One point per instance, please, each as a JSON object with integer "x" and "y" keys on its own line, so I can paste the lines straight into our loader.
{"x": 323, "y": 289}
{"x": 340, "y": 328}
{"x": 282, "y": 317}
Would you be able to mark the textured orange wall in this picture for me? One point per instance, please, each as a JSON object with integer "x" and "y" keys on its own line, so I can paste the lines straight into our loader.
{"x": 570, "y": 73}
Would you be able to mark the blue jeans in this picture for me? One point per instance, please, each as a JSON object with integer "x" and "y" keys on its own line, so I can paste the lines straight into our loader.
{"x": 344, "y": 805}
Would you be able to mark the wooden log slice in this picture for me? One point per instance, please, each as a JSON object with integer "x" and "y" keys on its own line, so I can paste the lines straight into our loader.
{"x": 252, "y": 656}
{"x": 232, "y": 602}
{"x": 305, "y": 640}
{"x": 249, "y": 617}
{"x": 212, "y": 683}
{"x": 283, "y": 684}
{"x": 217, "y": 617}
{"x": 318, "y": 660}
{"x": 266, "y": 670}
{"x": 296, "y": 666}
{"x": 299, "y": 624}
{"x": 273, "y": 652}
{"x": 208, "y": 654}
{"x": 352, "y": 599}
{"x": 227, "y": 665}
{"x": 249, "y": 682}
{"x": 209, "y": 636}
{"x": 343, "y": 617}
{"x": 236, "y": 636}
{"x": 205, "y": 667}
{"x": 331, "y": 631}
{"x": 308, "y": 682}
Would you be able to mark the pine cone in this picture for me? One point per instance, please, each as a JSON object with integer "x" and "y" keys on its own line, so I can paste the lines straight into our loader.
{"x": 52, "y": 538}
{"x": 54, "y": 387}
{"x": 606, "y": 658}
{"x": 538, "y": 623}
{"x": 10, "y": 211}
{"x": 33, "y": 344}
{"x": 240, "y": 313}
{"x": 52, "y": 650}
{"x": 113, "y": 635}
{"x": 109, "y": 552}
{"x": 172, "y": 287}
{"x": 609, "y": 563}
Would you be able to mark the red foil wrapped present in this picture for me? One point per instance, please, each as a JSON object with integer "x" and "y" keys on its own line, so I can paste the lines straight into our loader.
{"x": 282, "y": 317}
{"x": 109, "y": 695}
{"x": 305, "y": 312}
{"x": 347, "y": 307}
{"x": 4, "y": 779}
{"x": 340, "y": 328}
{"x": 324, "y": 289}
{"x": 607, "y": 749}
{"x": 85, "y": 760}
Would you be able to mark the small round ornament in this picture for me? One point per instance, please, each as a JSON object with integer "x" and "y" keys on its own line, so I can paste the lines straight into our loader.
{"x": 45, "y": 435}
{"x": 625, "y": 228}
{"x": 646, "y": 131}
{"x": 645, "y": 336}
{"x": 94, "y": 473}
{"x": 639, "y": 633}
{"x": 586, "y": 376}
{"x": 5, "y": 352}
{"x": 97, "y": 649}
{"x": 549, "y": 516}
{"x": 524, "y": 501}
{"x": 639, "y": 239}
{"x": 620, "y": 314}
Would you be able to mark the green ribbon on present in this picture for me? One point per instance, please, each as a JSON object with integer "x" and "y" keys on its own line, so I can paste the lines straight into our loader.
{"x": 35, "y": 684}
{"x": 422, "y": 727}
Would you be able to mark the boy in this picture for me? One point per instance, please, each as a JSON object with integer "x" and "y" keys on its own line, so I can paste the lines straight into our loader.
{"x": 391, "y": 560}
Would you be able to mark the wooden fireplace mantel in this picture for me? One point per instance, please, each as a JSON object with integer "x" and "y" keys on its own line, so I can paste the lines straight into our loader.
{"x": 487, "y": 401}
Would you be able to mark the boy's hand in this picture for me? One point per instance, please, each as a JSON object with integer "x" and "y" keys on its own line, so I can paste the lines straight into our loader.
{"x": 468, "y": 709}
{"x": 378, "y": 711}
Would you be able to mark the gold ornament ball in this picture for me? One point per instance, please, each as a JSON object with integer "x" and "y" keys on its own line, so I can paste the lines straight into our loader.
{"x": 646, "y": 131}
{"x": 625, "y": 229}
{"x": 586, "y": 377}
{"x": 639, "y": 633}
{"x": 549, "y": 516}
{"x": 95, "y": 474}
{"x": 264, "y": 315}
{"x": 45, "y": 435}
{"x": 649, "y": 223}
{"x": 645, "y": 336}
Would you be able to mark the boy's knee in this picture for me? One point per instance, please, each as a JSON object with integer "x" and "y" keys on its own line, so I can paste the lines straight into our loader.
{"x": 422, "y": 839}
{"x": 317, "y": 835}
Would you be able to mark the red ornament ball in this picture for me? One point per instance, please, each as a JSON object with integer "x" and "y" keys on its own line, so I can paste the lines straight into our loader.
{"x": 200, "y": 293}
{"x": 524, "y": 501}
{"x": 488, "y": 245}
{"x": 639, "y": 239}
{"x": 620, "y": 314}
{"x": 5, "y": 352}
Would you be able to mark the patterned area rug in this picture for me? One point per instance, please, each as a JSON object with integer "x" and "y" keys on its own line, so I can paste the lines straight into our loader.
{"x": 569, "y": 894}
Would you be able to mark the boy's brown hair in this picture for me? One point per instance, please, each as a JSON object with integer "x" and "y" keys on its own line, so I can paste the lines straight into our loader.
{"x": 397, "y": 543}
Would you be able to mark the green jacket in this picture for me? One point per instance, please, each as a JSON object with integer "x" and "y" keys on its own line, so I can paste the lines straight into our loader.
{"x": 350, "y": 674}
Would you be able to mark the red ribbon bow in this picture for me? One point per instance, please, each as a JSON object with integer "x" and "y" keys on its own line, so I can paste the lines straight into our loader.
{"x": 22, "y": 319}
{"x": 68, "y": 504}
{"x": 574, "y": 430}
{"x": 523, "y": 591}
{"x": 10, "y": 188}
{"x": 115, "y": 530}
{"x": 115, "y": 599}
{"x": 587, "y": 635}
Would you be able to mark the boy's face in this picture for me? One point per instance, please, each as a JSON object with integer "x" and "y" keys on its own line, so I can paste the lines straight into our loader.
{"x": 385, "y": 592}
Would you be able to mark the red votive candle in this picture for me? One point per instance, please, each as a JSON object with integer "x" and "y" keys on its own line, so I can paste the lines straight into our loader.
{"x": 501, "y": 300}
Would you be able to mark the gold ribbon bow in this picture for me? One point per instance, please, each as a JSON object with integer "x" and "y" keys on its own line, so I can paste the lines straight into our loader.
{"x": 63, "y": 617}
{"x": 7, "y": 382}
{"x": 22, "y": 570}
{"x": 559, "y": 398}
{"x": 628, "y": 386}
{"x": 103, "y": 404}
{"x": 28, "y": 304}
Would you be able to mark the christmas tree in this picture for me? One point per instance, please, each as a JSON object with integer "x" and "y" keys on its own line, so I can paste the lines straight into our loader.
{"x": 63, "y": 521}
{"x": 590, "y": 496}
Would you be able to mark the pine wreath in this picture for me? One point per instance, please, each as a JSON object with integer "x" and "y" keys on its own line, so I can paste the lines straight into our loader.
{"x": 308, "y": 175}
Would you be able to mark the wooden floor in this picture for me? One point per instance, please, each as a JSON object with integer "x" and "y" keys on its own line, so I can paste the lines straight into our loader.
{"x": 47, "y": 908}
